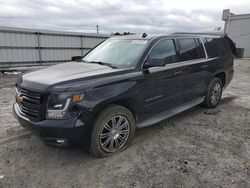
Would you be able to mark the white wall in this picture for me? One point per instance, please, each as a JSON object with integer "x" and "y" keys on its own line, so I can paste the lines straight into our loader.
{"x": 238, "y": 28}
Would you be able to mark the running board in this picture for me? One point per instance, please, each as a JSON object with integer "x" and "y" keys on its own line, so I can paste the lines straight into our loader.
{"x": 168, "y": 113}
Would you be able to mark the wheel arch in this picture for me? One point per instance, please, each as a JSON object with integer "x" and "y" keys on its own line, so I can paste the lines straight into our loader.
{"x": 222, "y": 77}
{"x": 128, "y": 103}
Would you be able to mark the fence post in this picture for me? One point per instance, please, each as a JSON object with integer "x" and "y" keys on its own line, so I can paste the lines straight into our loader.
{"x": 39, "y": 47}
{"x": 81, "y": 45}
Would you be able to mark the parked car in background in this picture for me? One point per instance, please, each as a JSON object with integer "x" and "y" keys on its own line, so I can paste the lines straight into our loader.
{"x": 123, "y": 84}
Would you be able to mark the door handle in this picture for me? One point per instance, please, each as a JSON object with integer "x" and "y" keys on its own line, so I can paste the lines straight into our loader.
{"x": 178, "y": 72}
{"x": 204, "y": 66}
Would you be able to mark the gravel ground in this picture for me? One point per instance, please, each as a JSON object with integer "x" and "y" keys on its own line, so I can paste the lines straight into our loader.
{"x": 198, "y": 148}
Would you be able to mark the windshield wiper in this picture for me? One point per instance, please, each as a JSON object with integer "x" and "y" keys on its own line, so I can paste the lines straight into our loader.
{"x": 102, "y": 63}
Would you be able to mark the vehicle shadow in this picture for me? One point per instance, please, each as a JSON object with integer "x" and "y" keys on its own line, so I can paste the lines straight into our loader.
{"x": 79, "y": 155}
{"x": 228, "y": 99}
{"x": 147, "y": 132}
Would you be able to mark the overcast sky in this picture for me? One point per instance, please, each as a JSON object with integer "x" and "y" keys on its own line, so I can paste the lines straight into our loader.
{"x": 137, "y": 16}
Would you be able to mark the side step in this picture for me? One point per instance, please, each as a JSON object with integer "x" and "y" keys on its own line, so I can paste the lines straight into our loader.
{"x": 168, "y": 113}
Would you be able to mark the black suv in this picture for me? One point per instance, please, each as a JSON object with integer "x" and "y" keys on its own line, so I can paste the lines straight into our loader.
{"x": 122, "y": 84}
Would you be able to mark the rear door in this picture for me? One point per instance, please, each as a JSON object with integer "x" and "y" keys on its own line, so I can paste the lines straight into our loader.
{"x": 192, "y": 56}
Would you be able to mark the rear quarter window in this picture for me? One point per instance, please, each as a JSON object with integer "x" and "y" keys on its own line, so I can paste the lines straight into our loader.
{"x": 216, "y": 47}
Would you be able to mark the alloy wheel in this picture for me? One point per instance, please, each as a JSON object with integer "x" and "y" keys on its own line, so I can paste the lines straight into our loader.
{"x": 215, "y": 93}
{"x": 114, "y": 133}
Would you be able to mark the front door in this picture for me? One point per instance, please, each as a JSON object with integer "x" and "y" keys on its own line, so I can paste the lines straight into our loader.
{"x": 161, "y": 88}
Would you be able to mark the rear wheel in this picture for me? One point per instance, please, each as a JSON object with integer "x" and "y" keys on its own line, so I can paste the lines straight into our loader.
{"x": 214, "y": 93}
{"x": 113, "y": 130}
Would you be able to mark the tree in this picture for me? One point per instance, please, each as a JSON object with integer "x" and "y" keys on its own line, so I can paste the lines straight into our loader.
{"x": 124, "y": 33}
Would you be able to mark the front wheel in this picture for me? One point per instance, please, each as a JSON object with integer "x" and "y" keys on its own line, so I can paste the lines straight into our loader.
{"x": 214, "y": 93}
{"x": 113, "y": 130}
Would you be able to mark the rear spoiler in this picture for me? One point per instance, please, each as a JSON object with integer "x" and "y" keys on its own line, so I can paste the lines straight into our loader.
{"x": 232, "y": 45}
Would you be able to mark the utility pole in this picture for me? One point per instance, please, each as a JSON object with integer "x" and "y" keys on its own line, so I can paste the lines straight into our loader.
{"x": 97, "y": 29}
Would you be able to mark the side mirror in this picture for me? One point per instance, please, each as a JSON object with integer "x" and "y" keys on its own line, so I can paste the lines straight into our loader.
{"x": 155, "y": 62}
{"x": 76, "y": 58}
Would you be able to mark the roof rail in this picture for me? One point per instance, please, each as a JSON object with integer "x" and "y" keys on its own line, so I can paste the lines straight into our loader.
{"x": 222, "y": 34}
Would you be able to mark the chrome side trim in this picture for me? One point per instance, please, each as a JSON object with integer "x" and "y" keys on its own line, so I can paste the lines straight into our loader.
{"x": 181, "y": 64}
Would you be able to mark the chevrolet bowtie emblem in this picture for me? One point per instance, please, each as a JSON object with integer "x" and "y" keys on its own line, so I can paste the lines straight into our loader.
{"x": 19, "y": 98}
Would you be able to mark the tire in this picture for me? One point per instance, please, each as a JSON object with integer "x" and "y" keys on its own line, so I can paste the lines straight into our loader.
{"x": 214, "y": 93}
{"x": 107, "y": 139}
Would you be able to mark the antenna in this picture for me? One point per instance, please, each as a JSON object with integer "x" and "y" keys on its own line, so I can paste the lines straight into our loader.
{"x": 144, "y": 35}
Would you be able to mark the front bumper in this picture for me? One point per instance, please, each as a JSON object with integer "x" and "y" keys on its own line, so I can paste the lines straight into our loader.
{"x": 59, "y": 133}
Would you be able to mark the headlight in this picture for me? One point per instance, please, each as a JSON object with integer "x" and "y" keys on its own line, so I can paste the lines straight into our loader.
{"x": 60, "y": 105}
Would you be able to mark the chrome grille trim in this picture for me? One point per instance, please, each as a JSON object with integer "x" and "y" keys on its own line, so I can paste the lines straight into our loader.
{"x": 31, "y": 105}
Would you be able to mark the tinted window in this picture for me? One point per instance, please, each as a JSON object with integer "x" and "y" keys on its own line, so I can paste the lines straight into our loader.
{"x": 215, "y": 47}
{"x": 231, "y": 46}
{"x": 200, "y": 49}
{"x": 164, "y": 49}
{"x": 208, "y": 47}
{"x": 190, "y": 49}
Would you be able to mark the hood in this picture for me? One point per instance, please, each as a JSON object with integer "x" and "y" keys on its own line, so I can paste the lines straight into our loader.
{"x": 64, "y": 73}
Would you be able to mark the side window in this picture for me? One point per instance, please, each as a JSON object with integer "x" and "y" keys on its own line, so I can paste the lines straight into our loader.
{"x": 190, "y": 49}
{"x": 215, "y": 47}
{"x": 231, "y": 45}
{"x": 164, "y": 49}
{"x": 200, "y": 49}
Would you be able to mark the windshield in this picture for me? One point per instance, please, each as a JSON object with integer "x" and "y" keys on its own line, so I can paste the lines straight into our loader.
{"x": 117, "y": 52}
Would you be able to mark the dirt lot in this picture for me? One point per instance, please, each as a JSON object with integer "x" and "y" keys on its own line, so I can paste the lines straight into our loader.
{"x": 198, "y": 148}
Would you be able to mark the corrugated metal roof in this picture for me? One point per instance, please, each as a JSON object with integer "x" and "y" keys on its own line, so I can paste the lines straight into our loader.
{"x": 29, "y": 30}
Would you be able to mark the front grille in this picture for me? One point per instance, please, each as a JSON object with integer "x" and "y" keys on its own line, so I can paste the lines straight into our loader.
{"x": 31, "y": 104}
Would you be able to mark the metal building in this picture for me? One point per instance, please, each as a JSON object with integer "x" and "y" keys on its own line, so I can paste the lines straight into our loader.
{"x": 22, "y": 47}
{"x": 238, "y": 28}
